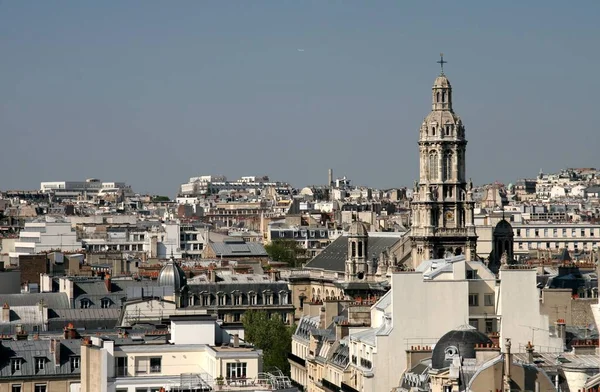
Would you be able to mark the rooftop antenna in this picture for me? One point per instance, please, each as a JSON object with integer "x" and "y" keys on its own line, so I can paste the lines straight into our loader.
{"x": 441, "y": 63}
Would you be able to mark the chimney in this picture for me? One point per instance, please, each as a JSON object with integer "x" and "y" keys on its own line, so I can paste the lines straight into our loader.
{"x": 236, "y": 340}
{"x": 5, "y": 313}
{"x": 55, "y": 351}
{"x": 107, "y": 282}
{"x": 561, "y": 331}
{"x": 21, "y": 333}
{"x": 507, "y": 361}
{"x": 529, "y": 350}
{"x": 69, "y": 332}
{"x": 330, "y": 177}
{"x": 322, "y": 318}
{"x": 341, "y": 331}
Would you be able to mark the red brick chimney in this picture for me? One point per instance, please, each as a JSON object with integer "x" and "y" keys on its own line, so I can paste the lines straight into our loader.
{"x": 107, "y": 282}
{"x": 69, "y": 332}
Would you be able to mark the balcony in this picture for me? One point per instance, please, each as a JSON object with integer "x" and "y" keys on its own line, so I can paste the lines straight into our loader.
{"x": 296, "y": 359}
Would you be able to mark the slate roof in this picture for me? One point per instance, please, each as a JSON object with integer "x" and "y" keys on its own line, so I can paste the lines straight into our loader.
{"x": 52, "y": 300}
{"x": 90, "y": 319}
{"x": 238, "y": 248}
{"x": 333, "y": 257}
{"x": 29, "y": 350}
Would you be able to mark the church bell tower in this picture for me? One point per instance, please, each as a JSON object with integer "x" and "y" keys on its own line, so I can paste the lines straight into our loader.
{"x": 442, "y": 205}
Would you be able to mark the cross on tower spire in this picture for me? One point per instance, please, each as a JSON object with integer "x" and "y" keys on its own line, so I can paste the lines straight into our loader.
{"x": 442, "y": 62}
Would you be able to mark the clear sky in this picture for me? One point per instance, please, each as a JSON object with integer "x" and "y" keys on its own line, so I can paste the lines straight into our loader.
{"x": 155, "y": 92}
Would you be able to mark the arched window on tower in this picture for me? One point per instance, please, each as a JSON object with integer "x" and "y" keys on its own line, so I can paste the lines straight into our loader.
{"x": 433, "y": 165}
{"x": 443, "y": 96}
{"x": 360, "y": 249}
{"x": 432, "y": 131}
{"x": 448, "y": 166}
{"x": 437, "y": 97}
{"x": 447, "y": 130}
{"x": 353, "y": 249}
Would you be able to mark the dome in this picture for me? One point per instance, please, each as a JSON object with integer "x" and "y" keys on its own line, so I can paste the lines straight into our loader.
{"x": 460, "y": 342}
{"x": 441, "y": 82}
{"x": 358, "y": 229}
{"x": 172, "y": 275}
{"x": 504, "y": 229}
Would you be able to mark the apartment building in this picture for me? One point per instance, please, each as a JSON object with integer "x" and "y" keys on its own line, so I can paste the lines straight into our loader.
{"x": 45, "y": 235}
{"x": 197, "y": 355}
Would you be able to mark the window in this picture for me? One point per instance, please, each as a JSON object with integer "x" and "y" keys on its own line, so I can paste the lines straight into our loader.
{"x": 555, "y": 232}
{"x": 252, "y": 299}
{"x": 236, "y": 370}
{"x": 518, "y": 232}
{"x": 489, "y": 326}
{"x": 488, "y": 299}
{"x": 75, "y": 363}
{"x": 40, "y": 363}
{"x": 283, "y": 298}
{"x": 473, "y": 299}
{"x": 237, "y": 317}
{"x": 237, "y": 299}
{"x": 155, "y": 365}
{"x": 85, "y": 303}
{"x": 15, "y": 364}
{"x": 537, "y": 233}
{"x": 474, "y": 323}
{"x": 16, "y": 388}
{"x": 583, "y": 232}
{"x": 545, "y": 232}
{"x": 433, "y": 165}
{"x": 221, "y": 299}
{"x": 526, "y": 232}
{"x": 520, "y": 245}
{"x": 105, "y": 303}
{"x": 564, "y": 232}
{"x": 40, "y": 388}
{"x": 471, "y": 274}
{"x": 121, "y": 366}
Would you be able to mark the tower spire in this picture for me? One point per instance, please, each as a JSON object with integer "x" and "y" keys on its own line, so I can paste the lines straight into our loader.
{"x": 441, "y": 63}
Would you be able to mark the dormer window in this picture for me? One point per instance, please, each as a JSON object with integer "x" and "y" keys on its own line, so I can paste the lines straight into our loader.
{"x": 222, "y": 299}
{"x": 283, "y": 297}
{"x": 252, "y": 298}
{"x": 40, "y": 363}
{"x": 236, "y": 298}
{"x": 105, "y": 303}
{"x": 267, "y": 298}
{"x": 85, "y": 303}
{"x": 75, "y": 363}
{"x": 15, "y": 364}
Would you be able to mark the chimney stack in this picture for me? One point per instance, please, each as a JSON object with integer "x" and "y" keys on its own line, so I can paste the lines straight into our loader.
{"x": 5, "y": 313}
{"x": 322, "y": 318}
{"x": 507, "y": 361}
{"x": 108, "y": 282}
{"x": 561, "y": 331}
{"x": 55, "y": 351}
{"x": 330, "y": 177}
{"x": 529, "y": 350}
{"x": 69, "y": 332}
{"x": 236, "y": 340}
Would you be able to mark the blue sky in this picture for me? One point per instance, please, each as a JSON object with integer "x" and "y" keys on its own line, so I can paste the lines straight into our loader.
{"x": 154, "y": 92}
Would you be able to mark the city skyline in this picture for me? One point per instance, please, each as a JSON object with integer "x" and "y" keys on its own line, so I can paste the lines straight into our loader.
{"x": 154, "y": 95}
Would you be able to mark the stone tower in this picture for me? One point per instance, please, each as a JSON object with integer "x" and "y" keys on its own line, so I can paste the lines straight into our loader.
{"x": 442, "y": 206}
{"x": 356, "y": 260}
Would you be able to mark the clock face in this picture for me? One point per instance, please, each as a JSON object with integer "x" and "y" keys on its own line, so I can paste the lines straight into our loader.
{"x": 449, "y": 215}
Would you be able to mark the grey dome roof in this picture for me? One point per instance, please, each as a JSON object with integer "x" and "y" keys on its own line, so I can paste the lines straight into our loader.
{"x": 172, "y": 275}
{"x": 503, "y": 228}
{"x": 460, "y": 342}
{"x": 358, "y": 229}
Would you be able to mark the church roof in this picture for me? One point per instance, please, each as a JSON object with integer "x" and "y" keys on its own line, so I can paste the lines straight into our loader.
{"x": 441, "y": 82}
{"x": 504, "y": 228}
{"x": 333, "y": 258}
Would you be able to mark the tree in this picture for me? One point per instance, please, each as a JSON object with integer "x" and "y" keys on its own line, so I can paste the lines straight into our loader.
{"x": 158, "y": 199}
{"x": 285, "y": 250}
{"x": 270, "y": 335}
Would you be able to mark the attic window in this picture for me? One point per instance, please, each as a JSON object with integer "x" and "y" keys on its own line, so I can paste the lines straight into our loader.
{"x": 105, "y": 303}
{"x": 15, "y": 364}
{"x": 75, "y": 363}
{"x": 40, "y": 363}
{"x": 85, "y": 303}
